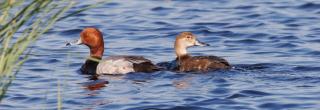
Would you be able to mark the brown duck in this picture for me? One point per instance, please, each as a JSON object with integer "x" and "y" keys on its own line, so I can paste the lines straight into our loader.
{"x": 185, "y": 62}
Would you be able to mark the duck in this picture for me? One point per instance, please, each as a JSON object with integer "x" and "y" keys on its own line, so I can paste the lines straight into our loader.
{"x": 184, "y": 62}
{"x": 123, "y": 64}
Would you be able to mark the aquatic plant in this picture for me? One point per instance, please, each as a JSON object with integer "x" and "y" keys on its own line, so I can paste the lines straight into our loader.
{"x": 21, "y": 23}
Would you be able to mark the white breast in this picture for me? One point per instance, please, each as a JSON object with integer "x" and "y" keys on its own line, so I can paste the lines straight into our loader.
{"x": 114, "y": 65}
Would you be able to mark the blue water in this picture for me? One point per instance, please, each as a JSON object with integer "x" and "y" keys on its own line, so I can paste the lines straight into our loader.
{"x": 272, "y": 44}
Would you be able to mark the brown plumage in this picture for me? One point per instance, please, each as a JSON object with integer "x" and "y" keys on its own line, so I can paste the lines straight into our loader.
{"x": 185, "y": 62}
{"x": 201, "y": 63}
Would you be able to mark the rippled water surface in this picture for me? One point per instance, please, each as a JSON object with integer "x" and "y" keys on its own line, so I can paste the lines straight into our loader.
{"x": 274, "y": 46}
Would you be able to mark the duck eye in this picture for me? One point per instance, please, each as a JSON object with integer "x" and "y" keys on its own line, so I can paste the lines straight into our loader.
{"x": 189, "y": 37}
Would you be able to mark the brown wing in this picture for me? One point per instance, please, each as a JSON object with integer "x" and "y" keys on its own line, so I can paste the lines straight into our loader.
{"x": 202, "y": 63}
{"x": 214, "y": 59}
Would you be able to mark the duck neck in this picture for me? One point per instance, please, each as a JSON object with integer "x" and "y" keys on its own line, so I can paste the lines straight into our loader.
{"x": 97, "y": 52}
{"x": 180, "y": 51}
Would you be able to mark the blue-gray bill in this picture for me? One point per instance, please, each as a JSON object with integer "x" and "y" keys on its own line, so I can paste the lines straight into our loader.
{"x": 75, "y": 42}
{"x": 198, "y": 43}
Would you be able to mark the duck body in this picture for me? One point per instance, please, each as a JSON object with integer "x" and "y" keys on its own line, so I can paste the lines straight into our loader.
{"x": 93, "y": 38}
{"x": 125, "y": 64}
{"x": 201, "y": 63}
{"x": 185, "y": 63}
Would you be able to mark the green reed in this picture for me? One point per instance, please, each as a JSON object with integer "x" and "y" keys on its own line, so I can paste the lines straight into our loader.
{"x": 21, "y": 23}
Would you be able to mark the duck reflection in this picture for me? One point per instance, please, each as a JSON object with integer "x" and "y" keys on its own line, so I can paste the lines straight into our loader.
{"x": 183, "y": 83}
{"x": 95, "y": 83}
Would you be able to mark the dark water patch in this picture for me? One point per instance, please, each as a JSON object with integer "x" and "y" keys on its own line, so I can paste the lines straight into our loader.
{"x": 220, "y": 91}
{"x": 305, "y": 86}
{"x": 162, "y": 9}
{"x": 306, "y": 68}
{"x": 195, "y": 10}
{"x": 73, "y": 102}
{"x": 311, "y": 36}
{"x": 188, "y": 108}
{"x": 206, "y": 32}
{"x": 293, "y": 78}
{"x": 214, "y": 101}
{"x": 285, "y": 45}
{"x": 282, "y": 7}
{"x": 6, "y": 107}
{"x": 277, "y": 106}
{"x": 293, "y": 25}
{"x": 244, "y": 41}
{"x": 309, "y": 6}
{"x": 217, "y": 24}
{"x": 258, "y": 35}
{"x": 315, "y": 41}
{"x": 32, "y": 60}
{"x": 76, "y": 64}
{"x": 314, "y": 53}
{"x": 270, "y": 53}
{"x": 288, "y": 21}
{"x": 235, "y": 107}
{"x": 289, "y": 37}
{"x": 161, "y": 107}
{"x": 52, "y": 61}
{"x": 192, "y": 99}
{"x": 40, "y": 70}
{"x": 296, "y": 51}
{"x": 142, "y": 50}
{"x": 235, "y": 96}
{"x": 248, "y": 7}
{"x": 164, "y": 23}
{"x": 229, "y": 34}
{"x": 112, "y": 4}
{"x": 21, "y": 98}
{"x": 254, "y": 16}
{"x": 254, "y": 93}
{"x": 134, "y": 21}
{"x": 196, "y": 29}
{"x": 259, "y": 66}
{"x": 219, "y": 80}
{"x": 306, "y": 97}
{"x": 140, "y": 77}
{"x": 186, "y": 17}
{"x": 34, "y": 100}
{"x": 317, "y": 29}
{"x": 71, "y": 32}
{"x": 239, "y": 26}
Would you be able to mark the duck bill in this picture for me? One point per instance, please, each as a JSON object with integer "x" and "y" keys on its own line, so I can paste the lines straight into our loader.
{"x": 75, "y": 42}
{"x": 198, "y": 43}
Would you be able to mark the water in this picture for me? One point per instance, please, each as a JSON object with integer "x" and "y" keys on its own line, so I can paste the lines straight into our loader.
{"x": 273, "y": 45}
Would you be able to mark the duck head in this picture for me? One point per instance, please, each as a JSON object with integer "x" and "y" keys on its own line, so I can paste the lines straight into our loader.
{"x": 185, "y": 40}
{"x": 92, "y": 38}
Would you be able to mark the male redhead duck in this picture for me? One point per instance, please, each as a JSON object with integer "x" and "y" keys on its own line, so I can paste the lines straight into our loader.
{"x": 185, "y": 62}
{"x": 93, "y": 38}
